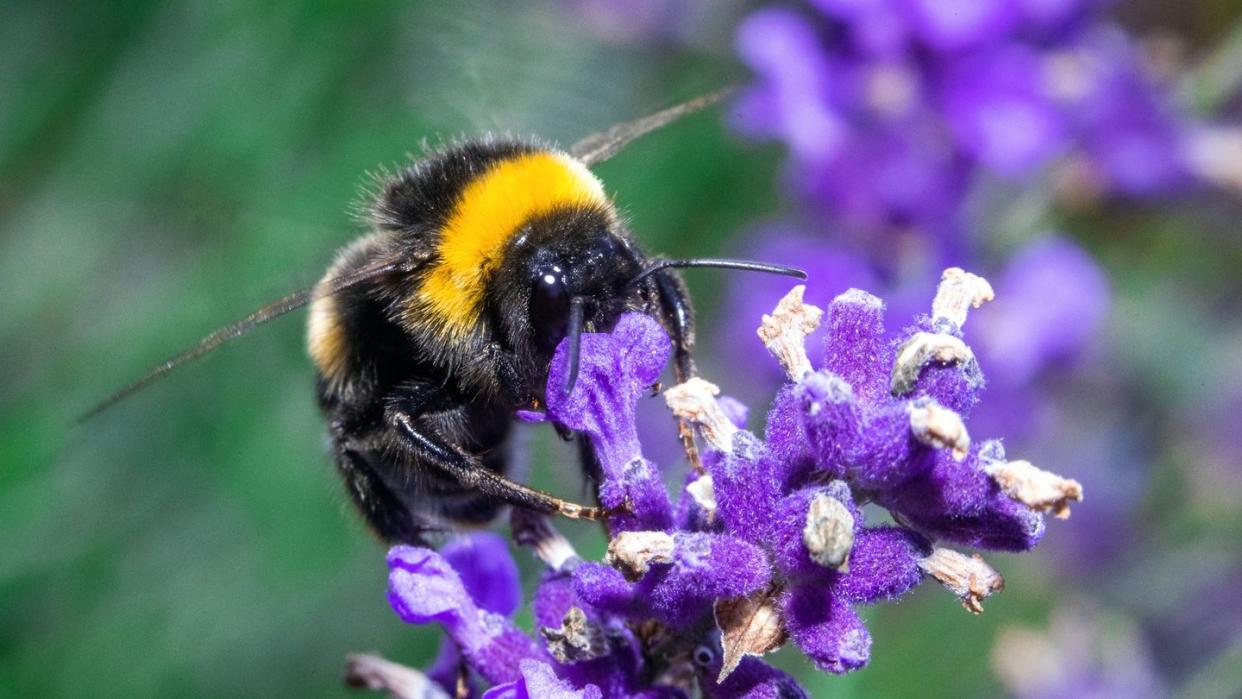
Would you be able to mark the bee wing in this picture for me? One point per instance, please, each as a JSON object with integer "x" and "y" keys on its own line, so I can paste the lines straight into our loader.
{"x": 260, "y": 316}
{"x": 601, "y": 146}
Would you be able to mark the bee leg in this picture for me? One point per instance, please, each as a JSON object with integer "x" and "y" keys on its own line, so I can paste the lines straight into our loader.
{"x": 678, "y": 319}
{"x": 472, "y": 474}
{"x": 594, "y": 473}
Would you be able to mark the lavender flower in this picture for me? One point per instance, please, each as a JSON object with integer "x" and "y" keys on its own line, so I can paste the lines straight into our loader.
{"x": 1084, "y": 652}
{"x": 769, "y": 544}
{"x": 896, "y": 112}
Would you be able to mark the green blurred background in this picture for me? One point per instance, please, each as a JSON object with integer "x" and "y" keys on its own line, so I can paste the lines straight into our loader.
{"x": 166, "y": 168}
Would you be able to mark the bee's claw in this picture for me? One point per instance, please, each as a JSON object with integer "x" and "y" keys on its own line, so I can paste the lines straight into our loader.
{"x": 575, "y": 511}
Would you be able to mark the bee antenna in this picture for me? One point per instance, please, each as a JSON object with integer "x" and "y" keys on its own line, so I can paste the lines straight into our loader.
{"x": 574, "y": 334}
{"x": 601, "y": 146}
{"x": 264, "y": 314}
{"x": 722, "y": 263}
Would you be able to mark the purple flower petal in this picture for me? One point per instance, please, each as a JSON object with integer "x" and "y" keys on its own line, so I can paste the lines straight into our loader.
{"x": 553, "y": 598}
{"x": 886, "y": 454}
{"x": 956, "y": 385}
{"x": 884, "y": 564}
{"x": 735, "y": 410}
{"x": 607, "y": 590}
{"x": 487, "y": 571}
{"x": 856, "y": 349}
{"x": 789, "y": 550}
{"x": 751, "y": 679}
{"x": 958, "y": 501}
{"x": 827, "y": 630}
{"x": 615, "y": 370}
{"x": 705, "y": 567}
{"x": 787, "y": 438}
{"x": 747, "y": 485}
{"x": 423, "y": 588}
{"x": 831, "y": 420}
{"x": 1050, "y": 303}
{"x": 539, "y": 681}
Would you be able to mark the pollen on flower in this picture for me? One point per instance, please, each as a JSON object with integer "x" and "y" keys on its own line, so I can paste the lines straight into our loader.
{"x": 633, "y": 553}
{"x": 1036, "y": 488}
{"x": 959, "y": 291}
{"x": 695, "y": 400}
{"x": 784, "y": 332}
{"x": 968, "y": 577}
{"x": 829, "y": 532}
{"x": 939, "y": 427}
{"x": 922, "y": 348}
{"x": 704, "y": 494}
{"x": 577, "y": 639}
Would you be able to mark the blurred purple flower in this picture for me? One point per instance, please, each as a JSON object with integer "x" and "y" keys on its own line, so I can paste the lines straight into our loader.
{"x": 999, "y": 112}
{"x": 954, "y": 25}
{"x": 798, "y": 78}
{"x": 1084, "y": 653}
{"x": 893, "y": 108}
{"x": 1132, "y": 134}
{"x": 1052, "y": 299}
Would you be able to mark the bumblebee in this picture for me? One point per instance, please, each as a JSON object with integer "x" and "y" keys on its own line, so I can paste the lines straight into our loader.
{"x": 430, "y": 332}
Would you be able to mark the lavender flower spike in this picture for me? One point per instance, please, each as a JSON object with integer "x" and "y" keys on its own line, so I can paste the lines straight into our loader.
{"x": 770, "y": 545}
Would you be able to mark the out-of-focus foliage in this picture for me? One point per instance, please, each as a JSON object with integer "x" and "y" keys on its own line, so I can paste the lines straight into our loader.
{"x": 166, "y": 168}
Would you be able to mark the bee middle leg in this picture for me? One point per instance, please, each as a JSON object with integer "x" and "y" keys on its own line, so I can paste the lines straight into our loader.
{"x": 471, "y": 473}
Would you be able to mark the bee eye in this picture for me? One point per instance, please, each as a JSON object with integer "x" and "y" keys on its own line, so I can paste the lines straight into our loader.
{"x": 549, "y": 308}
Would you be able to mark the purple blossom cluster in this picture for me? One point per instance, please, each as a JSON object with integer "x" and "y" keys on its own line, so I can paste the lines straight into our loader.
{"x": 894, "y": 110}
{"x": 864, "y": 476}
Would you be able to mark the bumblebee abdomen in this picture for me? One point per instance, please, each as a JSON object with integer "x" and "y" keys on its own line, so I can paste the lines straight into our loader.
{"x": 350, "y": 335}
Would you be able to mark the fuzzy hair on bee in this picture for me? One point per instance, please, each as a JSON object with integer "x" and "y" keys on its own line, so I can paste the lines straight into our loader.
{"x": 431, "y": 331}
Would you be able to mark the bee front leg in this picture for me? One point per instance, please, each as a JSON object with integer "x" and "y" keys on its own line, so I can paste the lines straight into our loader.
{"x": 471, "y": 474}
{"x": 677, "y": 317}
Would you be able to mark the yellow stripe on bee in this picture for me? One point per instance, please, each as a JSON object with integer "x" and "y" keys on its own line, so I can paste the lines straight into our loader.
{"x": 325, "y": 338}
{"x": 489, "y": 212}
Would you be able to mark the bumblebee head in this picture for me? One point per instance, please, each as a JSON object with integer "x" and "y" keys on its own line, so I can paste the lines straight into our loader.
{"x": 564, "y": 272}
